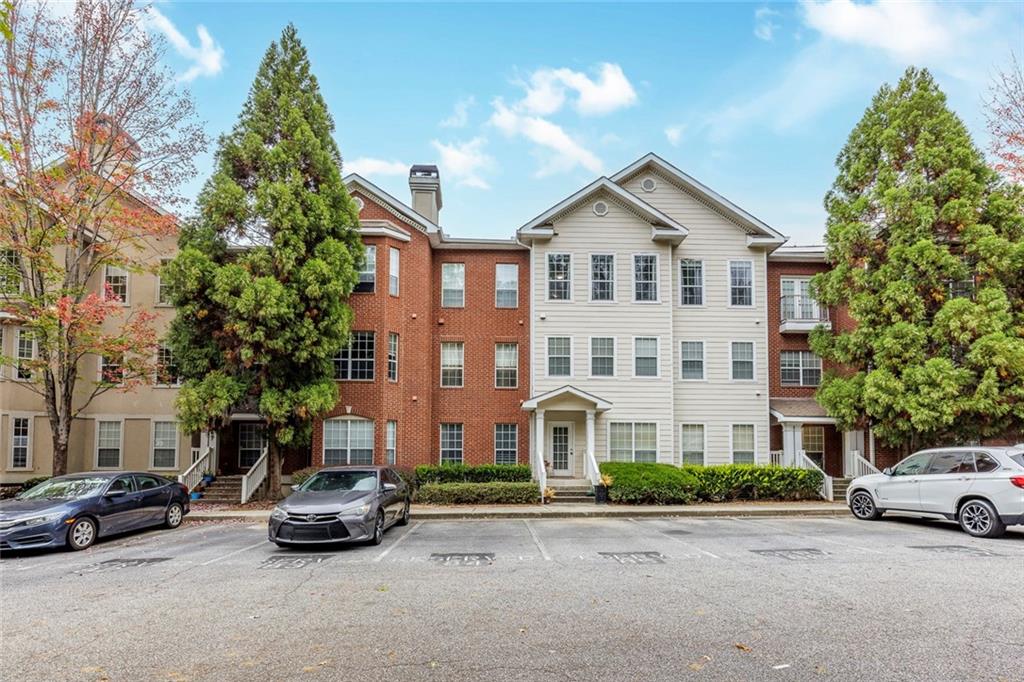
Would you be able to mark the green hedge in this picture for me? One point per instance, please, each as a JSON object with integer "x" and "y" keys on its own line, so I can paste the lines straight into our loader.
{"x": 649, "y": 483}
{"x": 726, "y": 482}
{"x": 483, "y": 473}
{"x": 501, "y": 492}
{"x": 33, "y": 482}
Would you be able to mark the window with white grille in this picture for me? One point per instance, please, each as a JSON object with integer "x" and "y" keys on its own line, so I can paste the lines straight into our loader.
{"x": 506, "y": 440}
{"x": 165, "y": 445}
{"x": 356, "y": 362}
{"x": 348, "y": 441}
{"x": 602, "y": 356}
{"x": 741, "y": 283}
{"x": 368, "y": 271}
{"x": 506, "y": 365}
{"x": 742, "y": 360}
{"x": 451, "y": 443}
{"x": 394, "y": 270}
{"x": 115, "y": 284}
{"x": 633, "y": 441}
{"x": 108, "y": 445}
{"x": 691, "y": 282}
{"x": 602, "y": 277}
{"x": 799, "y": 368}
{"x": 20, "y": 442}
{"x": 691, "y": 443}
{"x": 744, "y": 446}
{"x": 559, "y": 277}
{"x": 392, "y": 356}
{"x": 453, "y": 285}
{"x": 645, "y": 277}
{"x": 452, "y": 364}
{"x": 559, "y": 356}
{"x": 692, "y": 359}
{"x": 506, "y": 285}
{"x": 645, "y": 357}
{"x": 391, "y": 441}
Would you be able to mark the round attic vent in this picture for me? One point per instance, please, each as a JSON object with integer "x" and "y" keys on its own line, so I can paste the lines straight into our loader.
{"x": 648, "y": 184}
{"x": 359, "y": 203}
{"x": 600, "y": 208}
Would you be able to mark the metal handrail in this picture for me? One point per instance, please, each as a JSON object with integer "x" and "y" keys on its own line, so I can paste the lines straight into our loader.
{"x": 254, "y": 478}
{"x": 194, "y": 474}
{"x": 801, "y": 309}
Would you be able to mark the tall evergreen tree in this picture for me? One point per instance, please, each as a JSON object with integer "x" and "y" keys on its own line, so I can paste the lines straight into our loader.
{"x": 258, "y": 326}
{"x": 927, "y": 252}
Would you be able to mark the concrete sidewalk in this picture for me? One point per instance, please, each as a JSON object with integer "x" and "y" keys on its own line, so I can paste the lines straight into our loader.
{"x": 566, "y": 511}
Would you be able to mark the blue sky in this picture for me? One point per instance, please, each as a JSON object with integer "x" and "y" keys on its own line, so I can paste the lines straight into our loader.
{"x": 522, "y": 104}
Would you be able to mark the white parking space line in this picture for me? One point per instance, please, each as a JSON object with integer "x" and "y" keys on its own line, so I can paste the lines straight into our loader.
{"x": 536, "y": 540}
{"x": 681, "y": 542}
{"x": 396, "y": 543}
{"x": 261, "y": 543}
{"x": 815, "y": 537}
{"x": 147, "y": 540}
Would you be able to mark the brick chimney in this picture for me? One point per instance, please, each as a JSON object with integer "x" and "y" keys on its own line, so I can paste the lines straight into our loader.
{"x": 425, "y": 185}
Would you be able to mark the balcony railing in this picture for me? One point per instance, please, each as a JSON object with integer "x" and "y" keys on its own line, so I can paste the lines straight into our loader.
{"x": 802, "y": 309}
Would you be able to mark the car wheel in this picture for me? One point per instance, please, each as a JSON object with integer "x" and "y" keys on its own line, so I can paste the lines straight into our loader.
{"x": 863, "y": 506}
{"x": 979, "y": 518}
{"x": 404, "y": 519}
{"x": 378, "y": 529}
{"x": 81, "y": 534}
{"x": 174, "y": 515}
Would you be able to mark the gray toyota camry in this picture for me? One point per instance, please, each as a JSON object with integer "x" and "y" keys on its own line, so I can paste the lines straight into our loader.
{"x": 342, "y": 504}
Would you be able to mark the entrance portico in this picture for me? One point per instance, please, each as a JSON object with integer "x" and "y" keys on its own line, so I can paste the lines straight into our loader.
{"x": 563, "y": 420}
{"x": 807, "y": 428}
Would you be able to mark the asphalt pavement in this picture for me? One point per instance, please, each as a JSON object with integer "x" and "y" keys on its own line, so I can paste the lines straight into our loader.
{"x": 526, "y": 599}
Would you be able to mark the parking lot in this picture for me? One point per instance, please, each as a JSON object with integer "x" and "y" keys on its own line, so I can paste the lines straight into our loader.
{"x": 715, "y": 599}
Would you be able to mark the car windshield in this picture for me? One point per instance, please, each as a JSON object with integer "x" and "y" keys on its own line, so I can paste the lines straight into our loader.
{"x": 341, "y": 480}
{"x": 65, "y": 488}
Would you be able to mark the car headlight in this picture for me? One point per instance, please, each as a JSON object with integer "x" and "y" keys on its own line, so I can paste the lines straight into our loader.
{"x": 40, "y": 520}
{"x": 279, "y": 514}
{"x": 361, "y": 510}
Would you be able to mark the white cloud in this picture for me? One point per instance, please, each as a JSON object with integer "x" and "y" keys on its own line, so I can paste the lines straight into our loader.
{"x": 546, "y": 91}
{"x": 674, "y": 134}
{"x": 764, "y": 23}
{"x": 367, "y": 166}
{"x": 559, "y": 151}
{"x": 207, "y": 58}
{"x": 460, "y": 115}
{"x": 465, "y": 161}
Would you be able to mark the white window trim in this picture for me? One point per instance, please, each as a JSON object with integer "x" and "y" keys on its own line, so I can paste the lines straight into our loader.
{"x": 156, "y": 375}
{"x": 547, "y": 278}
{"x": 802, "y": 368}
{"x": 367, "y": 248}
{"x": 753, "y": 362}
{"x": 634, "y": 422}
{"x": 152, "y": 443}
{"x": 96, "y": 445}
{"x": 394, "y": 270}
{"x": 572, "y": 359}
{"x": 505, "y": 343}
{"x": 387, "y": 359}
{"x": 496, "y": 289}
{"x": 99, "y": 371}
{"x": 753, "y": 284}
{"x": 817, "y": 427}
{"x": 127, "y": 285}
{"x": 440, "y": 441}
{"x": 797, "y": 297}
{"x": 494, "y": 433}
{"x": 590, "y": 278}
{"x": 463, "y": 303}
{"x": 11, "y": 416}
{"x": 14, "y": 354}
{"x": 440, "y": 378}
{"x": 657, "y": 357}
{"x": 657, "y": 277}
{"x": 590, "y": 357}
{"x": 391, "y": 453}
{"x": 156, "y": 295}
{"x": 732, "y": 457}
{"x": 703, "y": 283}
{"x": 703, "y": 360}
{"x": 704, "y": 447}
{"x": 348, "y": 441}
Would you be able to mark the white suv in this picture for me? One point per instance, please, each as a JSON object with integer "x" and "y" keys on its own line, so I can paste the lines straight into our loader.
{"x": 980, "y": 487}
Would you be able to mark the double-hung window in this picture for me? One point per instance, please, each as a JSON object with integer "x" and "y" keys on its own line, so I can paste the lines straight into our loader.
{"x": 602, "y": 356}
{"x": 559, "y": 277}
{"x": 691, "y": 282}
{"x": 453, "y": 285}
{"x": 559, "y": 356}
{"x": 799, "y": 368}
{"x": 111, "y": 370}
{"x": 115, "y": 284}
{"x": 167, "y": 373}
{"x": 645, "y": 277}
{"x": 691, "y": 443}
{"x": 602, "y": 277}
{"x": 633, "y": 441}
{"x": 163, "y": 289}
{"x": 25, "y": 353}
{"x": 392, "y": 356}
{"x": 108, "y": 445}
{"x": 742, "y": 356}
{"x": 813, "y": 439}
{"x": 355, "y": 363}
{"x": 506, "y": 285}
{"x": 165, "y": 445}
{"x": 391, "y": 442}
{"x": 368, "y": 272}
{"x": 451, "y": 443}
{"x": 692, "y": 360}
{"x": 645, "y": 352}
{"x": 348, "y": 441}
{"x": 506, "y": 365}
{"x": 252, "y": 439}
{"x": 741, "y": 283}
{"x": 10, "y": 273}
{"x": 744, "y": 446}
{"x": 506, "y": 439}
{"x": 452, "y": 359}
{"x": 394, "y": 270}
{"x": 21, "y": 434}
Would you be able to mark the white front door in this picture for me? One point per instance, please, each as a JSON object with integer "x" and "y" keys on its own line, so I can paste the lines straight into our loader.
{"x": 560, "y": 447}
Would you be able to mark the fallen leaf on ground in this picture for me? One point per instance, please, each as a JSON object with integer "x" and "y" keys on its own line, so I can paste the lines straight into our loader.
{"x": 741, "y": 646}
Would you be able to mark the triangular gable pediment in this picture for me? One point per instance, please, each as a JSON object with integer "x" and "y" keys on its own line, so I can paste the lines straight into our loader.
{"x": 403, "y": 212}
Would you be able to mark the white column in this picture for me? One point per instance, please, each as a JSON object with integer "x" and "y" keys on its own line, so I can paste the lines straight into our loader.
{"x": 792, "y": 442}
{"x": 591, "y": 416}
{"x": 539, "y": 426}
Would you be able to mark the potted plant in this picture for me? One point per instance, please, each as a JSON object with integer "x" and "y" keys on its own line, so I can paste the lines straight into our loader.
{"x": 601, "y": 489}
{"x": 549, "y": 495}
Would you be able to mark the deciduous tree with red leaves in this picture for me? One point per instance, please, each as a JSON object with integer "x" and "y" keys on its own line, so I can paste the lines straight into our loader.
{"x": 1005, "y": 113}
{"x": 97, "y": 136}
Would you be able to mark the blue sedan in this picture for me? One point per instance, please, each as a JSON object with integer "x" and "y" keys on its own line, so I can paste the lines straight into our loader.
{"x": 73, "y": 511}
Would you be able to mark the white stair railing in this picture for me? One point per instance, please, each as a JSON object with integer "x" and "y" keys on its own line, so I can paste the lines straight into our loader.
{"x": 805, "y": 462}
{"x": 777, "y": 457}
{"x": 541, "y": 473}
{"x": 194, "y": 474}
{"x": 593, "y": 471}
{"x": 252, "y": 480}
{"x": 862, "y": 467}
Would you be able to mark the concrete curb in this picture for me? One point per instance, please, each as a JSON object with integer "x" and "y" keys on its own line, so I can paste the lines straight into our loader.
{"x": 570, "y": 512}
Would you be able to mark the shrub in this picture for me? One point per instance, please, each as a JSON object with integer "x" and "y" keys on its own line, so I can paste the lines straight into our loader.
{"x": 649, "y": 483}
{"x": 498, "y": 492}
{"x": 752, "y": 482}
{"x": 302, "y": 475}
{"x": 483, "y": 473}
{"x": 33, "y": 482}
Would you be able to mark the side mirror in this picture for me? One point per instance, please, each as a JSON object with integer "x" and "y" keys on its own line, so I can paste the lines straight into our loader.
{"x": 295, "y": 488}
{"x": 116, "y": 493}
{"x": 887, "y": 471}
{"x": 389, "y": 487}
